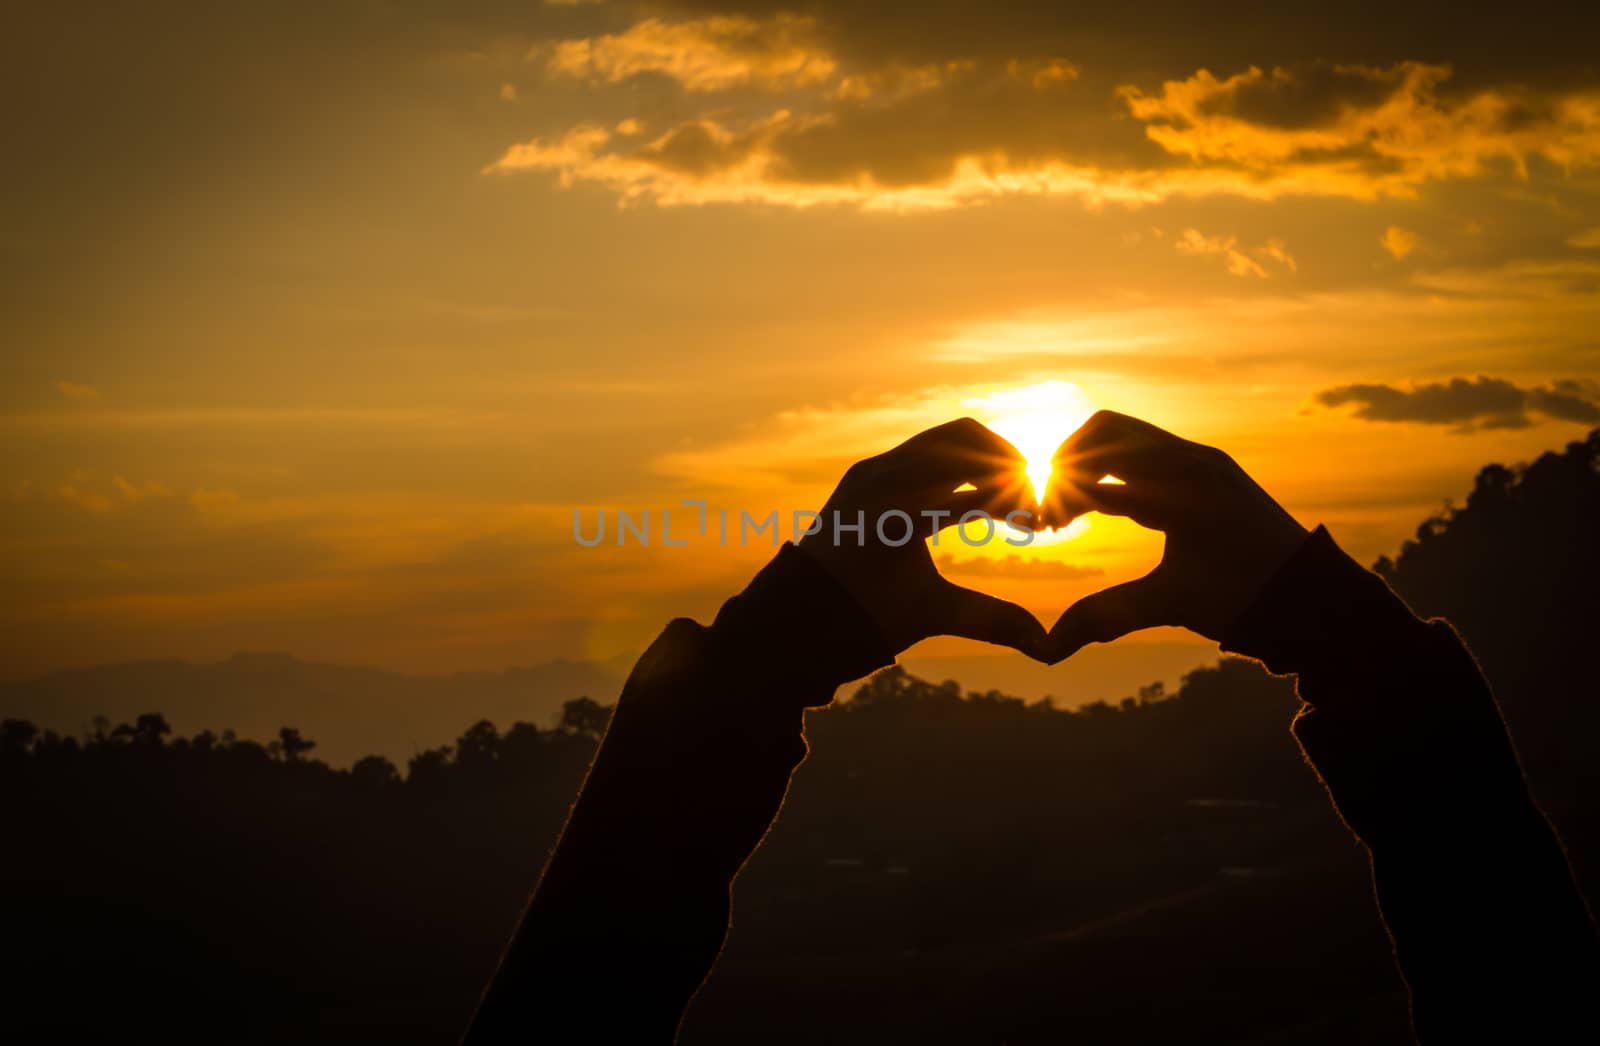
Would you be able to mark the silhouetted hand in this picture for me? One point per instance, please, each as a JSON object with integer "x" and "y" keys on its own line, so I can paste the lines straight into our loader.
{"x": 912, "y": 489}
{"x": 1226, "y": 537}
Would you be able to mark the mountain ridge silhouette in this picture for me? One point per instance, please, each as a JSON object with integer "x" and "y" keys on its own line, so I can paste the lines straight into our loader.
{"x": 350, "y": 710}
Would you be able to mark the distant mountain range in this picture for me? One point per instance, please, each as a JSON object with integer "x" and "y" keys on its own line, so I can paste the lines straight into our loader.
{"x": 349, "y": 712}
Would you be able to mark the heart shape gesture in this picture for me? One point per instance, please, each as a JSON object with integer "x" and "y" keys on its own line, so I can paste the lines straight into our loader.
{"x": 1225, "y": 537}
{"x": 900, "y": 498}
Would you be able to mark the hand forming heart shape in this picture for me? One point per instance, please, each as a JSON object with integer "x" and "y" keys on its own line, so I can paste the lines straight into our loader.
{"x": 1225, "y": 536}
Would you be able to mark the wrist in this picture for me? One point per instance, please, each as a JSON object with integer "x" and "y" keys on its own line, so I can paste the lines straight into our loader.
{"x": 802, "y": 625}
{"x": 1320, "y": 607}
{"x": 1268, "y": 551}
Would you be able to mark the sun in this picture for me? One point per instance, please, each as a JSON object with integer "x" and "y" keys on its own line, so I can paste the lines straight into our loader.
{"x": 1035, "y": 418}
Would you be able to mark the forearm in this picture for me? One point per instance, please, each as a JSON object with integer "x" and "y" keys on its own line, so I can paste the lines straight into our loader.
{"x": 632, "y": 908}
{"x": 1488, "y": 928}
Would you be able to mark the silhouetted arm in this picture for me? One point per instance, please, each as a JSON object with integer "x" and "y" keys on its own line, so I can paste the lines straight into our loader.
{"x": 1489, "y": 930}
{"x": 632, "y": 909}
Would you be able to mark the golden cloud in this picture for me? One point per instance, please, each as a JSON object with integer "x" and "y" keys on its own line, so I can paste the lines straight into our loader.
{"x": 899, "y": 82}
{"x": 136, "y": 492}
{"x": 1398, "y": 242}
{"x": 213, "y": 500}
{"x": 954, "y": 133}
{"x": 705, "y": 161}
{"x": 1364, "y": 131}
{"x": 84, "y": 499}
{"x": 1238, "y": 260}
{"x": 705, "y": 54}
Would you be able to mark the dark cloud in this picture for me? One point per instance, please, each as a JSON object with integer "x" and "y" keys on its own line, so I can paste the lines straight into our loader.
{"x": 1565, "y": 401}
{"x": 909, "y": 137}
{"x": 1480, "y": 403}
{"x": 695, "y": 148}
{"x": 896, "y": 136}
{"x": 1546, "y": 42}
{"x": 1311, "y": 96}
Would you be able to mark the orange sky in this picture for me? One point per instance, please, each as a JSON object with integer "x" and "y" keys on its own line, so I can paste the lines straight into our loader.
{"x": 323, "y": 322}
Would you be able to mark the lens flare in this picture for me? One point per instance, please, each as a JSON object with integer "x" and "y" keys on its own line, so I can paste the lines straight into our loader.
{"x": 1035, "y": 418}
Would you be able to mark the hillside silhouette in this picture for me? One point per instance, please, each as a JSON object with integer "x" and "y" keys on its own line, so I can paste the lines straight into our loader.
{"x": 950, "y": 867}
{"x": 355, "y": 711}
{"x": 1517, "y": 570}
{"x": 351, "y": 711}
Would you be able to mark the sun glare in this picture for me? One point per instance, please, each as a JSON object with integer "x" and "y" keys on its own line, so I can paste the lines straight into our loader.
{"x": 1035, "y": 418}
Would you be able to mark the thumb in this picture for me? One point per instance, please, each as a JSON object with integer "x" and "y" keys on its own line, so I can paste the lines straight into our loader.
{"x": 976, "y": 615}
{"x": 1108, "y": 614}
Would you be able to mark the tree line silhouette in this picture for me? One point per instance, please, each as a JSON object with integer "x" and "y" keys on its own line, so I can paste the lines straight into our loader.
{"x": 950, "y": 866}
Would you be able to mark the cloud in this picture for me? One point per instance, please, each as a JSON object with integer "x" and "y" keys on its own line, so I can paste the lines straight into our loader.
{"x": 1481, "y": 403}
{"x": 1015, "y": 566}
{"x": 73, "y": 391}
{"x": 902, "y": 137}
{"x": 138, "y": 492}
{"x": 213, "y": 500}
{"x": 1566, "y": 401}
{"x": 1398, "y": 242}
{"x": 1235, "y": 258}
{"x": 1555, "y": 283}
{"x": 704, "y": 54}
{"x": 898, "y": 138}
{"x": 1278, "y": 251}
{"x": 706, "y": 162}
{"x": 1586, "y": 238}
{"x": 84, "y": 499}
{"x": 1364, "y": 131}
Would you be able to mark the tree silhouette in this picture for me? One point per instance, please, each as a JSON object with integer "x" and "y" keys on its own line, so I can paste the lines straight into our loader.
{"x": 374, "y": 772}
{"x": 478, "y": 748}
{"x": 584, "y": 717}
{"x": 291, "y": 745}
{"x": 1516, "y": 570}
{"x": 147, "y": 729}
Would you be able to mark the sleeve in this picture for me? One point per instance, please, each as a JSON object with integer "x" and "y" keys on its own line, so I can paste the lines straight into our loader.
{"x": 633, "y": 906}
{"x": 1488, "y": 927}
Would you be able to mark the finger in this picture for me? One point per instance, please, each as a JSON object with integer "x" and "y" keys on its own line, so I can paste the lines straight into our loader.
{"x": 1107, "y": 428}
{"x": 1131, "y": 450}
{"x": 1140, "y": 502}
{"x": 1107, "y": 444}
{"x": 961, "y": 502}
{"x": 999, "y": 507}
{"x": 1111, "y": 443}
{"x": 1073, "y": 495}
{"x": 1069, "y": 496}
{"x": 995, "y": 500}
{"x": 957, "y": 452}
{"x": 1109, "y": 614}
{"x": 989, "y": 619}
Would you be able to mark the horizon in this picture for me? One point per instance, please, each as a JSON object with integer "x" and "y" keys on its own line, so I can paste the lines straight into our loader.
{"x": 989, "y": 669}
